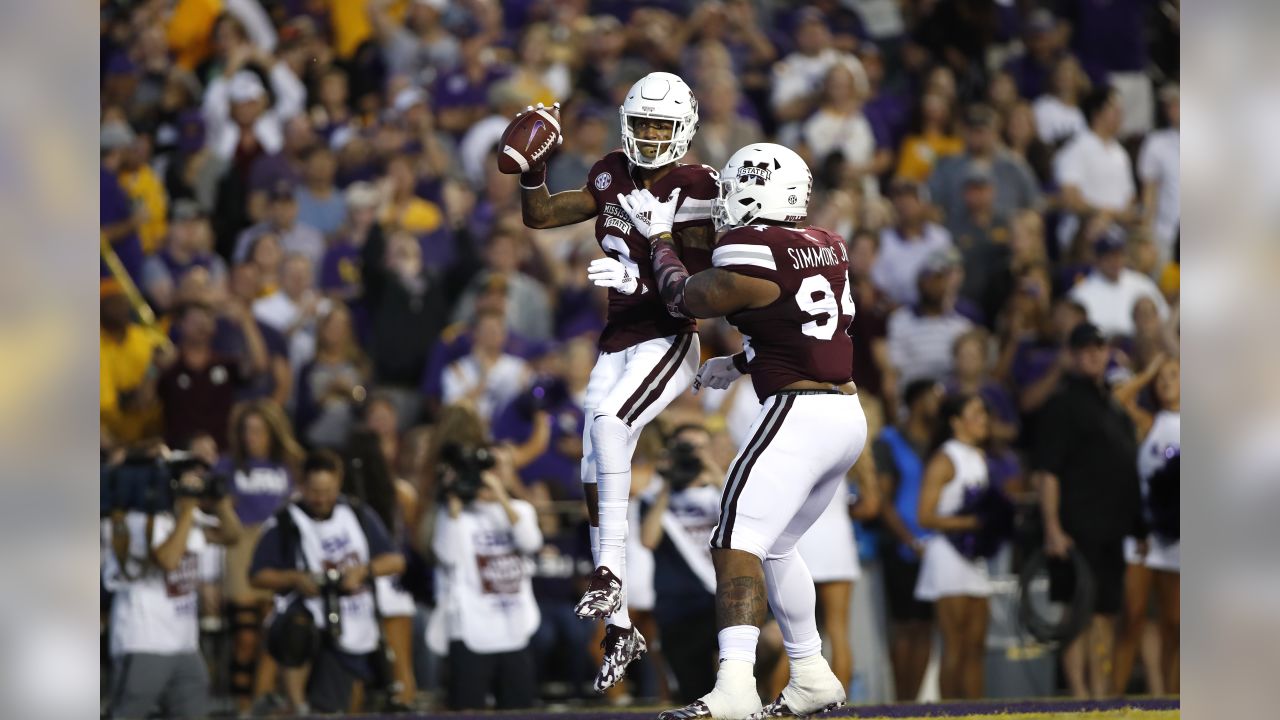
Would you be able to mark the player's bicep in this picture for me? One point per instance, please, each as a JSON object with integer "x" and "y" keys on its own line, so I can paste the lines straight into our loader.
{"x": 716, "y": 292}
{"x": 572, "y": 206}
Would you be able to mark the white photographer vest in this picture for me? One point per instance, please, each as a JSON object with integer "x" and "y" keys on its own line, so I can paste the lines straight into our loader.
{"x": 337, "y": 542}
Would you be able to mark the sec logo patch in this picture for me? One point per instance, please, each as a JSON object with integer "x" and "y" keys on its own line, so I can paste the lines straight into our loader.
{"x": 603, "y": 180}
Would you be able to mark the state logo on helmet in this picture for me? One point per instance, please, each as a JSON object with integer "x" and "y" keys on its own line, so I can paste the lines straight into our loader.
{"x": 762, "y": 181}
{"x": 659, "y": 96}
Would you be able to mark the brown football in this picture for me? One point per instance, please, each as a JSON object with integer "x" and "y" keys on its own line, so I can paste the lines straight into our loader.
{"x": 529, "y": 140}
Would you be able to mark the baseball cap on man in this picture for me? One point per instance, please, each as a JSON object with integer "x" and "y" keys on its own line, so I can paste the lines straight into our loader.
{"x": 245, "y": 86}
{"x": 116, "y": 136}
{"x": 978, "y": 173}
{"x": 186, "y": 209}
{"x": 281, "y": 189}
{"x": 1086, "y": 334}
{"x": 1111, "y": 240}
{"x": 979, "y": 115}
{"x": 941, "y": 260}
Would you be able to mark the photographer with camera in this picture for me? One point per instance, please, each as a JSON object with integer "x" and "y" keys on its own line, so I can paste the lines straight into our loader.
{"x": 154, "y": 570}
{"x": 486, "y": 610}
{"x": 676, "y": 524}
{"x": 319, "y": 555}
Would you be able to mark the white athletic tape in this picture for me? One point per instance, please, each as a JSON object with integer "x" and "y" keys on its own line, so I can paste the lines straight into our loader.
{"x": 550, "y": 119}
{"x": 515, "y": 155}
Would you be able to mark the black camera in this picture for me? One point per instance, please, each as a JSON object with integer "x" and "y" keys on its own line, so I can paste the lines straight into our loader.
{"x": 148, "y": 482}
{"x": 683, "y": 465}
{"x": 468, "y": 466}
{"x": 330, "y": 582}
{"x": 212, "y": 487}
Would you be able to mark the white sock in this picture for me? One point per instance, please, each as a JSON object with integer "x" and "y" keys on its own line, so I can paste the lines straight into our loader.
{"x": 595, "y": 545}
{"x": 794, "y": 602}
{"x": 738, "y": 644}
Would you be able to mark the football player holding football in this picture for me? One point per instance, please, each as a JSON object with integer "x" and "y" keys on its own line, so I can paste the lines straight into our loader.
{"x": 647, "y": 356}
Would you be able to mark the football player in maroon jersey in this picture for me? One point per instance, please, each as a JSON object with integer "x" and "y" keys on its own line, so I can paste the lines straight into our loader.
{"x": 647, "y": 356}
{"x": 786, "y": 288}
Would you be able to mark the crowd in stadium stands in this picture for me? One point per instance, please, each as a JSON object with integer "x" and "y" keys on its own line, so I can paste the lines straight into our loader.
{"x": 306, "y": 195}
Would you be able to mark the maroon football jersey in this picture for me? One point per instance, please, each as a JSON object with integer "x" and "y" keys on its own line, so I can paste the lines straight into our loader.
{"x": 642, "y": 315}
{"x": 803, "y": 335}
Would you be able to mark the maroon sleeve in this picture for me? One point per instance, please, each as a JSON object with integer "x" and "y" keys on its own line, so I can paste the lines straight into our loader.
{"x": 747, "y": 251}
{"x": 698, "y": 189}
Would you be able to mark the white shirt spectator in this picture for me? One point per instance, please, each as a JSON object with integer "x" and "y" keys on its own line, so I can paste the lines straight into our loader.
{"x": 1110, "y": 304}
{"x": 1100, "y": 170}
{"x": 484, "y": 591}
{"x": 155, "y": 612}
{"x": 474, "y": 149}
{"x": 901, "y": 258}
{"x": 826, "y": 133}
{"x": 493, "y": 390}
{"x": 223, "y": 133}
{"x": 1057, "y": 121}
{"x": 798, "y": 75}
{"x": 1158, "y": 163}
{"x": 882, "y": 19}
{"x": 920, "y": 345}
{"x": 255, "y": 21}
{"x": 283, "y": 313}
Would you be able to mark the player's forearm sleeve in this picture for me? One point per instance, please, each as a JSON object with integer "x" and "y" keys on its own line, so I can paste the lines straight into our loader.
{"x": 671, "y": 275}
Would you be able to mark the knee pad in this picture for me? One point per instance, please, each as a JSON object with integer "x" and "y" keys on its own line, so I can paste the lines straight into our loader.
{"x": 609, "y": 436}
{"x": 242, "y": 677}
{"x": 243, "y": 617}
{"x": 609, "y": 444}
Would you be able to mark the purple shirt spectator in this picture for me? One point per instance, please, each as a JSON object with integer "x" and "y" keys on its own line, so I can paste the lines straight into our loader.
{"x": 455, "y": 342}
{"x": 577, "y": 313}
{"x": 1108, "y": 35}
{"x": 553, "y": 467}
{"x": 455, "y": 89}
{"x": 258, "y": 489}
{"x": 888, "y": 113}
{"x": 1032, "y": 361}
{"x": 1031, "y": 77}
{"x": 1003, "y": 466}
{"x": 999, "y": 402}
{"x": 269, "y": 170}
{"x": 115, "y": 207}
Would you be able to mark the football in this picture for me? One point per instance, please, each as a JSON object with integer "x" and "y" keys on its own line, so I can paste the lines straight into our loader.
{"x": 529, "y": 140}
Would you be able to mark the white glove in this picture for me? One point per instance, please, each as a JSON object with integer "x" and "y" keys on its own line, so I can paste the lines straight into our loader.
{"x": 718, "y": 373}
{"x": 610, "y": 273}
{"x": 650, "y": 215}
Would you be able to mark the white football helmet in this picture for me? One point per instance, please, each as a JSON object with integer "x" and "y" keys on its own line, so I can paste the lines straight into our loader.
{"x": 663, "y": 96}
{"x": 762, "y": 181}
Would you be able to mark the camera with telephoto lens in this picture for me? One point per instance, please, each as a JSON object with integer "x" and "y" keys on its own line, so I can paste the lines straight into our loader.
{"x": 148, "y": 481}
{"x": 683, "y": 465}
{"x": 330, "y": 582}
{"x": 212, "y": 487}
{"x": 468, "y": 466}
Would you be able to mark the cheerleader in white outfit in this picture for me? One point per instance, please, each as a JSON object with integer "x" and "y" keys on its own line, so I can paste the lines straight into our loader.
{"x": 1152, "y": 561}
{"x": 957, "y": 584}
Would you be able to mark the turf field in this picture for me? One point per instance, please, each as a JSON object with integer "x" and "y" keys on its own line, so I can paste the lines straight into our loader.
{"x": 1135, "y": 709}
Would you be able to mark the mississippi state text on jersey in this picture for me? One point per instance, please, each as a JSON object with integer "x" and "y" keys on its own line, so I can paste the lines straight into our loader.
{"x": 803, "y": 335}
{"x": 642, "y": 315}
